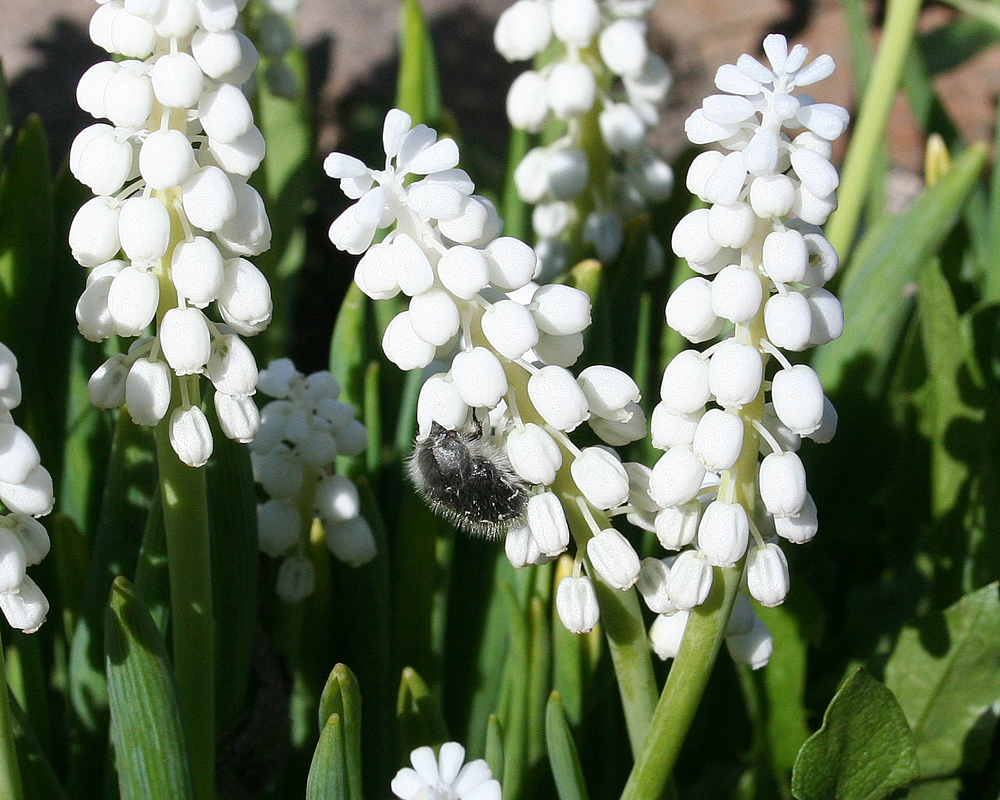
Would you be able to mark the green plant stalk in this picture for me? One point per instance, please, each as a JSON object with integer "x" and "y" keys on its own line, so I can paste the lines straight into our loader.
{"x": 10, "y": 772}
{"x": 867, "y": 138}
{"x": 621, "y": 617}
{"x": 684, "y": 688}
{"x": 184, "y": 494}
{"x": 185, "y": 518}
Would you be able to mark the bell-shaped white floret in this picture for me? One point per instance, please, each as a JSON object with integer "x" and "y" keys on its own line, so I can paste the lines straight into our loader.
{"x": 547, "y": 521}
{"x": 403, "y": 347}
{"x": 208, "y": 198}
{"x": 190, "y": 435}
{"x": 534, "y": 454}
{"x": 93, "y": 235}
{"x": 185, "y": 340}
{"x": 576, "y": 604}
{"x": 440, "y": 402}
{"x": 147, "y": 391}
{"x": 723, "y": 533}
{"x": 337, "y": 498}
{"x": 685, "y": 386}
{"x": 196, "y": 268}
{"x": 144, "y": 229}
{"x": 479, "y": 378}
{"x": 245, "y": 298}
{"x": 735, "y": 372}
{"x": 614, "y": 558}
{"x": 166, "y": 159}
{"x": 132, "y": 300}
{"x": 225, "y": 113}
{"x": 600, "y": 477}
{"x": 676, "y": 526}
{"x": 238, "y": 416}
{"x": 177, "y": 80}
{"x": 558, "y": 398}
{"x": 767, "y": 575}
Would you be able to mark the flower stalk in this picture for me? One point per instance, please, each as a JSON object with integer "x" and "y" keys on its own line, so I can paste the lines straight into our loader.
{"x": 10, "y": 772}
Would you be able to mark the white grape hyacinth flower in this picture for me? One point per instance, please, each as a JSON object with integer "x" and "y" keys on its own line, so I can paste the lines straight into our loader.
{"x": 600, "y": 45}
{"x": 302, "y": 431}
{"x": 499, "y": 395}
{"x": 174, "y": 219}
{"x": 445, "y": 776}
{"x": 728, "y": 419}
{"x": 26, "y": 493}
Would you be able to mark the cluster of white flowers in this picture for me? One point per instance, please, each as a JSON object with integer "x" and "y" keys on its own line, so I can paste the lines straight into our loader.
{"x": 174, "y": 216}
{"x": 26, "y": 491}
{"x": 445, "y": 777}
{"x": 301, "y": 434}
{"x": 275, "y": 37}
{"x": 759, "y": 238}
{"x": 503, "y": 343}
{"x": 603, "y": 67}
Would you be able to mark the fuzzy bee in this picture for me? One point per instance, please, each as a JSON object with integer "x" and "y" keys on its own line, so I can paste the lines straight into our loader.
{"x": 468, "y": 481}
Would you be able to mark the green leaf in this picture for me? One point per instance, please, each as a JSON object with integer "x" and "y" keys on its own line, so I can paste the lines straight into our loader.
{"x": 863, "y": 751}
{"x": 944, "y": 672}
{"x": 349, "y": 349}
{"x": 417, "y": 92}
{"x": 232, "y": 516}
{"x": 26, "y": 238}
{"x": 784, "y": 683}
{"x": 885, "y": 262}
{"x": 128, "y": 487}
{"x": 494, "y": 746}
{"x": 342, "y": 697}
{"x": 562, "y": 752}
{"x": 327, "y": 774}
{"x": 150, "y": 751}
{"x": 37, "y": 775}
{"x": 419, "y": 715}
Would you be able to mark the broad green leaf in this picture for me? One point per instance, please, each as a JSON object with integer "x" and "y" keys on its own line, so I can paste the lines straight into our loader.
{"x": 943, "y": 789}
{"x": 417, "y": 90}
{"x": 874, "y": 289}
{"x": 150, "y": 751}
{"x": 419, "y": 715}
{"x": 26, "y": 238}
{"x": 948, "y": 46}
{"x": 327, "y": 773}
{"x": 562, "y": 752}
{"x": 944, "y": 673}
{"x": 342, "y": 698}
{"x": 863, "y": 751}
{"x": 232, "y": 515}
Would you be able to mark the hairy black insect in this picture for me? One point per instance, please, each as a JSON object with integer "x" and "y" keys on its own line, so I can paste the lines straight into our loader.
{"x": 467, "y": 480}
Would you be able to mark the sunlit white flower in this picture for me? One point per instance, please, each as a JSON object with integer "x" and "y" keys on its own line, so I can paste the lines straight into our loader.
{"x": 172, "y": 164}
{"x": 762, "y": 262}
{"x": 445, "y": 776}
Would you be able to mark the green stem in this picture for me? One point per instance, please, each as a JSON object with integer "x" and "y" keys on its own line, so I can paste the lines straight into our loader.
{"x": 185, "y": 518}
{"x": 684, "y": 688}
{"x": 869, "y": 133}
{"x": 10, "y": 772}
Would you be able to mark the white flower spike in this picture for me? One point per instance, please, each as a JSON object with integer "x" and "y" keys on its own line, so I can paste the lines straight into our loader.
{"x": 176, "y": 156}
{"x": 763, "y": 262}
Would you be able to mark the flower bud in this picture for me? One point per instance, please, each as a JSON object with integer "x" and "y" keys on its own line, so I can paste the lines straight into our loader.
{"x": 798, "y": 398}
{"x": 558, "y": 398}
{"x": 676, "y": 526}
{"x": 144, "y": 229}
{"x": 689, "y": 311}
{"x": 245, "y": 297}
{"x": 561, "y": 309}
{"x": 666, "y": 634}
{"x": 570, "y": 89}
{"x": 547, "y": 521}
{"x": 277, "y": 527}
{"x": 225, "y": 113}
{"x": 782, "y": 481}
{"x": 723, "y": 533}
{"x": 93, "y": 235}
{"x": 463, "y": 271}
{"x": 238, "y": 416}
{"x": 18, "y": 454}
{"x": 32, "y": 535}
{"x": 166, "y": 159}
{"x": 718, "y": 441}
{"x": 753, "y": 648}
{"x": 337, "y": 499}
{"x": 668, "y": 429}
{"x": 600, "y": 477}
{"x": 677, "y": 477}
{"x": 608, "y": 391}
{"x": 479, "y": 378}
{"x": 147, "y": 391}
{"x": 614, "y": 558}
{"x": 191, "y": 436}
{"x": 196, "y": 269}
{"x": 33, "y": 496}
{"x": 527, "y": 103}
{"x": 622, "y": 45}
{"x": 653, "y": 581}
{"x": 521, "y": 548}
{"x": 510, "y": 328}
{"x": 296, "y": 579}
{"x": 208, "y": 199}
{"x": 177, "y": 80}
{"x": 800, "y": 527}
{"x": 26, "y": 608}
{"x": 685, "y": 385}
{"x": 576, "y": 604}
{"x": 351, "y": 541}
{"x": 735, "y": 372}
{"x": 737, "y": 293}
{"x": 788, "y": 321}
{"x": 434, "y": 316}
{"x": 533, "y": 454}
{"x": 767, "y": 575}
{"x": 185, "y": 340}
{"x": 279, "y": 473}
{"x": 523, "y": 30}
{"x": 133, "y": 296}
{"x": 12, "y": 562}
{"x": 690, "y": 580}
{"x": 785, "y": 256}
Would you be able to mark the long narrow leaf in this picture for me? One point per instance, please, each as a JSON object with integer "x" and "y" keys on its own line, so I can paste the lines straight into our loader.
{"x": 327, "y": 773}
{"x": 562, "y": 752}
{"x": 150, "y": 751}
